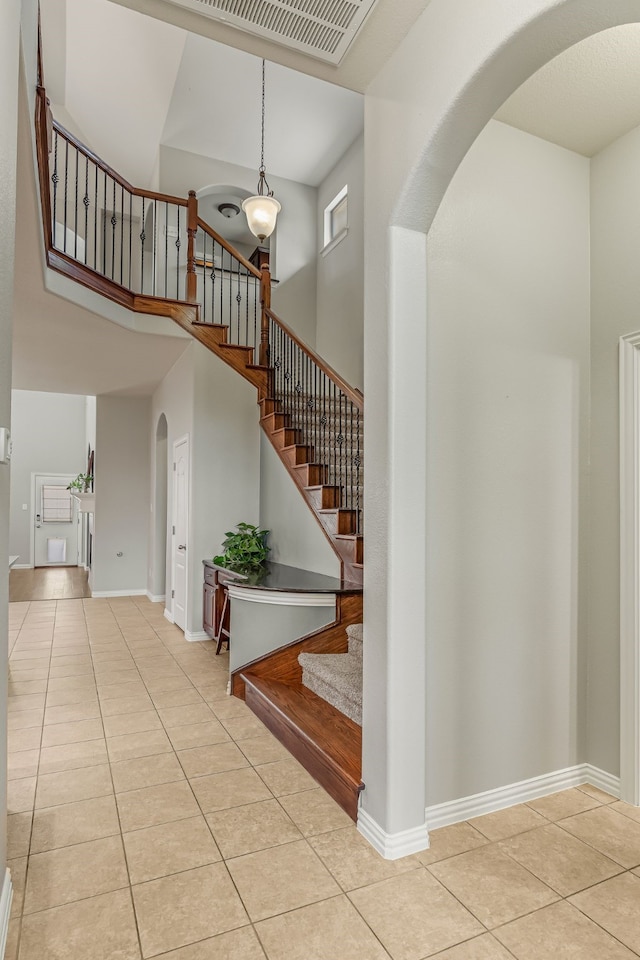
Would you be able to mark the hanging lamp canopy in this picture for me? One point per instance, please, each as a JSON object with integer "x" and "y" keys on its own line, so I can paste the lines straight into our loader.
{"x": 263, "y": 208}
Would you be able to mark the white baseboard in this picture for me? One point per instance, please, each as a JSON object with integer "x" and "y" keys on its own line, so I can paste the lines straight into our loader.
{"x": 155, "y": 597}
{"x": 22, "y": 566}
{"x": 6, "y": 896}
{"x": 168, "y": 615}
{"x": 392, "y": 846}
{"x": 454, "y": 811}
{"x": 600, "y": 778}
{"x": 118, "y": 593}
{"x": 198, "y": 635}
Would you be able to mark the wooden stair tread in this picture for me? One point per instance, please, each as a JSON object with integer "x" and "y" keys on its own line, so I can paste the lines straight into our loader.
{"x": 328, "y": 744}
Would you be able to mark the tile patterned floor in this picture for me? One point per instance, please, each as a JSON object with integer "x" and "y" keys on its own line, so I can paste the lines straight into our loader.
{"x": 150, "y": 815}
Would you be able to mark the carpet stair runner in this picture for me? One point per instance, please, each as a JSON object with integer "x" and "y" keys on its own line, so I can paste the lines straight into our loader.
{"x": 337, "y": 677}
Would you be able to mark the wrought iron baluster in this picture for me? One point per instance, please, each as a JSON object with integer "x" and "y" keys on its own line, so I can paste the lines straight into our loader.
{"x": 86, "y": 201}
{"x": 154, "y": 289}
{"x": 178, "y": 259}
{"x": 166, "y": 248}
{"x": 213, "y": 281}
{"x": 104, "y": 224}
{"x": 350, "y": 457}
{"x": 75, "y": 211}
{"x": 239, "y": 300}
{"x": 121, "y": 235}
{"x": 114, "y": 223}
{"x": 142, "y": 239}
{"x": 54, "y": 179}
{"x": 130, "y": 236}
{"x": 95, "y": 223}
{"x": 246, "y": 308}
{"x": 66, "y": 187}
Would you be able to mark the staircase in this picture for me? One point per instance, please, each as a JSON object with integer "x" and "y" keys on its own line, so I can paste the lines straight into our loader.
{"x": 142, "y": 249}
{"x": 337, "y": 677}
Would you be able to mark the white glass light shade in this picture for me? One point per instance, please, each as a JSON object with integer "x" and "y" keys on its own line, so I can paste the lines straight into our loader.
{"x": 261, "y": 215}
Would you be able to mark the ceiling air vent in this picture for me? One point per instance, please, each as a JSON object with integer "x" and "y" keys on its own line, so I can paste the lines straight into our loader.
{"x": 321, "y": 28}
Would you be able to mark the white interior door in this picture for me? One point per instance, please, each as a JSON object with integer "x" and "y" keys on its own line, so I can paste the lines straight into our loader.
{"x": 180, "y": 530}
{"x": 55, "y": 514}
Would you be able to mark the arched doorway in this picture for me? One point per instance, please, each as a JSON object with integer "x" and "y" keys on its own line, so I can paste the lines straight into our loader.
{"x": 434, "y": 96}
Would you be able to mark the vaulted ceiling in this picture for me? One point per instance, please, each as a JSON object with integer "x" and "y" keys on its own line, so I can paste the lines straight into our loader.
{"x": 129, "y": 84}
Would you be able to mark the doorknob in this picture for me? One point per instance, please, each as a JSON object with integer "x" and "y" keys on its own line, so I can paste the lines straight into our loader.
{"x": 182, "y": 546}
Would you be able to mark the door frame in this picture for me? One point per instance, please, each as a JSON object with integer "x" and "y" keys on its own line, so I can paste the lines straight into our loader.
{"x": 171, "y": 540}
{"x": 630, "y": 568}
{"x": 32, "y": 536}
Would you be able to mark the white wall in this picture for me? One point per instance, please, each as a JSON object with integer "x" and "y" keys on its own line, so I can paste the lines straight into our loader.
{"x": 122, "y": 477}
{"x": 507, "y": 435}
{"x": 9, "y": 41}
{"x": 203, "y": 397}
{"x": 225, "y": 460}
{"x": 174, "y": 398}
{"x": 615, "y": 292}
{"x": 49, "y": 433}
{"x": 340, "y": 290}
{"x": 294, "y": 244}
{"x": 433, "y": 96}
{"x": 296, "y": 538}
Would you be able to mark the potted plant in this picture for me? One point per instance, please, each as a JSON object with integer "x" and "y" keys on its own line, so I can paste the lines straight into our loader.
{"x": 81, "y": 483}
{"x": 245, "y": 551}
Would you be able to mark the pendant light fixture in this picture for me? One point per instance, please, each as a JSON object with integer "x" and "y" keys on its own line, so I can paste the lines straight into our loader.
{"x": 263, "y": 209}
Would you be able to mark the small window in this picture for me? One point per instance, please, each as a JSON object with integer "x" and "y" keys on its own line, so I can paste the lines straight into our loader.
{"x": 57, "y": 506}
{"x": 336, "y": 219}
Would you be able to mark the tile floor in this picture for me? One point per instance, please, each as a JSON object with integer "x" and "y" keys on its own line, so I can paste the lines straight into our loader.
{"x": 150, "y": 815}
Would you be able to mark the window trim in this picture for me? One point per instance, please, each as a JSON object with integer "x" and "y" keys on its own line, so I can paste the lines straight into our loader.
{"x": 332, "y": 241}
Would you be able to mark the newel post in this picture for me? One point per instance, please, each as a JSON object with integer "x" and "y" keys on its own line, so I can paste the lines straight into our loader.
{"x": 265, "y": 303}
{"x": 192, "y": 227}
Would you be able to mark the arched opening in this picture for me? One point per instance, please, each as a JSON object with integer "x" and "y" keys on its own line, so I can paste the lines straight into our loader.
{"x": 160, "y": 519}
{"x": 486, "y": 59}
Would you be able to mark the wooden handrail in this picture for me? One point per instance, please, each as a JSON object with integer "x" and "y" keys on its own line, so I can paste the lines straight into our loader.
{"x": 352, "y": 393}
{"x": 228, "y": 247}
{"x": 136, "y": 191}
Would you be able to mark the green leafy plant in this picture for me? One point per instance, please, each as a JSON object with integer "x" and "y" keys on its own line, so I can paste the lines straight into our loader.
{"x": 81, "y": 483}
{"x": 245, "y": 550}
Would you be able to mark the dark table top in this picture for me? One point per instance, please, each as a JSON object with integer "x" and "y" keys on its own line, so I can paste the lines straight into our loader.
{"x": 277, "y": 576}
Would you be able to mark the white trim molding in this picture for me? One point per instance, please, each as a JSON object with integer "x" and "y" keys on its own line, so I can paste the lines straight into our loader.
{"x": 155, "y": 598}
{"x": 168, "y": 615}
{"x": 6, "y": 896}
{"x": 21, "y": 566}
{"x": 280, "y": 597}
{"x": 196, "y": 635}
{"x": 118, "y": 593}
{"x": 454, "y": 811}
{"x": 630, "y": 568}
{"x": 392, "y": 846}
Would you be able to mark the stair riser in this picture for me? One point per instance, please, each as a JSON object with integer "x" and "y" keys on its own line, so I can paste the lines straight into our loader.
{"x": 298, "y": 454}
{"x": 340, "y": 521}
{"x": 311, "y": 475}
{"x": 326, "y": 498}
{"x": 286, "y": 437}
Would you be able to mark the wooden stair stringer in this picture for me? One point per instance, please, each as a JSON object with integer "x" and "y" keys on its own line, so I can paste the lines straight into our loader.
{"x": 347, "y": 546}
{"x": 214, "y": 337}
{"x": 326, "y": 742}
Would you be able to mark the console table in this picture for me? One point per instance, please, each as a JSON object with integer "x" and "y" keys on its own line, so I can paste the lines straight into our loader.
{"x": 275, "y": 583}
